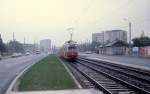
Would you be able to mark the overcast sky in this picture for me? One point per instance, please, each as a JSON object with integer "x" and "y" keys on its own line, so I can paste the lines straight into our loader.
{"x": 40, "y": 19}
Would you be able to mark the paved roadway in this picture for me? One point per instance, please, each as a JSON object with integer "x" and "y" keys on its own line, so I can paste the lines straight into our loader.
{"x": 135, "y": 61}
{"x": 11, "y": 67}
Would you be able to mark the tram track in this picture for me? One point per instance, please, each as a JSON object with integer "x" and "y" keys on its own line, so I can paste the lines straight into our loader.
{"x": 134, "y": 72}
{"x": 132, "y": 81}
{"x": 111, "y": 79}
{"x": 101, "y": 81}
{"x": 84, "y": 82}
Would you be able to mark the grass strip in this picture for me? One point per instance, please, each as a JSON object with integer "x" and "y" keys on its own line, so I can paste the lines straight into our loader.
{"x": 47, "y": 74}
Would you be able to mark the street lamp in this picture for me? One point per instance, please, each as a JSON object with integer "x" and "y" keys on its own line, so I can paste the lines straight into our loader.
{"x": 129, "y": 35}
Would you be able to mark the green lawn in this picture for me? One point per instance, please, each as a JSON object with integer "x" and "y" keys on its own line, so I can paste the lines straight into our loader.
{"x": 48, "y": 74}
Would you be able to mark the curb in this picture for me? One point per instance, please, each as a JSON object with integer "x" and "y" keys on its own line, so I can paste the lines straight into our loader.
{"x": 115, "y": 62}
{"x": 77, "y": 83}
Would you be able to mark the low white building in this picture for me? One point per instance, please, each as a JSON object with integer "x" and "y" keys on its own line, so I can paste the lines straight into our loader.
{"x": 114, "y": 48}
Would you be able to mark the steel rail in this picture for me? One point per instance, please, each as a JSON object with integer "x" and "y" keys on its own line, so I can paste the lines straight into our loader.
{"x": 135, "y": 88}
{"x": 107, "y": 66}
{"x": 93, "y": 81}
{"x": 142, "y": 71}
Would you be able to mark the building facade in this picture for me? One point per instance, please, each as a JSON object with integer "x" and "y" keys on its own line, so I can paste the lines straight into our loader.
{"x": 45, "y": 45}
{"x": 109, "y": 36}
{"x": 31, "y": 48}
{"x": 98, "y": 37}
{"x": 113, "y": 35}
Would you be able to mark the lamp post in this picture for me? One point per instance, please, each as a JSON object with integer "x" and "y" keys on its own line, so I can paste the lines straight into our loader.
{"x": 129, "y": 35}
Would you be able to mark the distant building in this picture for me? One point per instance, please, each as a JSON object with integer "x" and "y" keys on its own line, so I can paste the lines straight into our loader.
{"x": 31, "y": 48}
{"x": 98, "y": 37}
{"x": 109, "y": 36}
{"x": 45, "y": 45}
{"x": 113, "y": 42}
{"x": 113, "y": 35}
{"x": 114, "y": 48}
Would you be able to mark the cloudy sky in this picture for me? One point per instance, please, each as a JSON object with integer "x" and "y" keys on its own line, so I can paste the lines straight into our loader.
{"x": 40, "y": 19}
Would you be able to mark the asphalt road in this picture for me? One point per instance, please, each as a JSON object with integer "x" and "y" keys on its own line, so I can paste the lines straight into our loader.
{"x": 135, "y": 61}
{"x": 11, "y": 67}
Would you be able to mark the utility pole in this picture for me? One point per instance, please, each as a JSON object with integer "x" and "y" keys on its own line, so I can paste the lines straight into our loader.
{"x": 34, "y": 46}
{"x": 24, "y": 46}
{"x": 130, "y": 38}
{"x": 130, "y": 34}
{"x": 1, "y": 43}
{"x": 71, "y": 36}
{"x": 71, "y": 32}
{"x": 13, "y": 36}
{"x": 14, "y": 43}
{"x": 142, "y": 34}
{"x": 103, "y": 42}
{"x": 130, "y": 30}
{"x": 24, "y": 40}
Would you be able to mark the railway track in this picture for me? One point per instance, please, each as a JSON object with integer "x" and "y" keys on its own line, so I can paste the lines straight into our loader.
{"x": 114, "y": 79}
{"x": 102, "y": 82}
{"x": 84, "y": 82}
